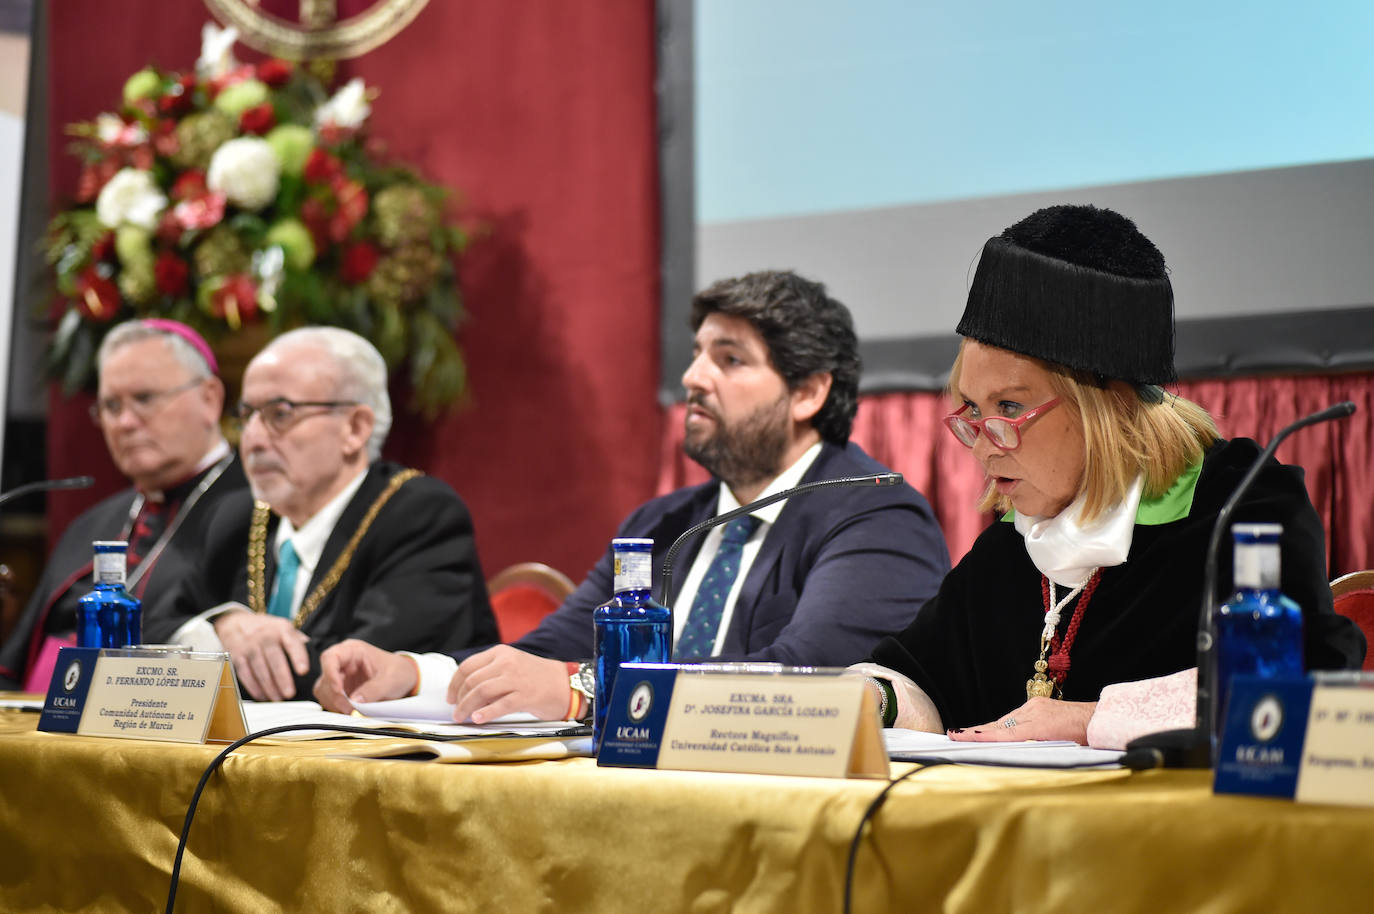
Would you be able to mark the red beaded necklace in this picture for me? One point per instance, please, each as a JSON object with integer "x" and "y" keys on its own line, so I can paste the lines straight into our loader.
{"x": 1048, "y": 681}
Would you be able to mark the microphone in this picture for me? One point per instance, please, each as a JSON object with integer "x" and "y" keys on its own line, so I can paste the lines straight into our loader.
{"x": 71, "y": 482}
{"x": 1195, "y": 748}
{"x": 666, "y": 573}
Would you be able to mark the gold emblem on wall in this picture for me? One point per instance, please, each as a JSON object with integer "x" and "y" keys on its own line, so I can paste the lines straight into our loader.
{"x": 317, "y": 33}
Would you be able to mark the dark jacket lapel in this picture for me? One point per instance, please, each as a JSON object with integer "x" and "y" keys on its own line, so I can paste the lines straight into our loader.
{"x": 348, "y": 522}
{"x": 673, "y": 524}
{"x": 770, "y": 555}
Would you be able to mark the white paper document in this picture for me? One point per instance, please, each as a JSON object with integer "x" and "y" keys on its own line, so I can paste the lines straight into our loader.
{"x": 498, "y": 742}
{"x": 21, "y": 704}
{"x": 426, "y": 709}
{"x": 262, "y": 715}
{"x": 910, "y": 744}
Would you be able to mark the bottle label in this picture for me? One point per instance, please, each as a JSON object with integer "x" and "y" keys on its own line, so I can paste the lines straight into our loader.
{"x": 633, "y": 571}
{"x": 109, "y": 568}
{"x": 1257, "y": 566}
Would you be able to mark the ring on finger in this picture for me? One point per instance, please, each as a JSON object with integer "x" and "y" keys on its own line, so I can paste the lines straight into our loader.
{"x": 1009, "y": 722}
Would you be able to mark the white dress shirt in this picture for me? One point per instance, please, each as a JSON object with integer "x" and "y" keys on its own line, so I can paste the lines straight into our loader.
{"x": 726, "y": 501}
{"x": 310, "y": 539}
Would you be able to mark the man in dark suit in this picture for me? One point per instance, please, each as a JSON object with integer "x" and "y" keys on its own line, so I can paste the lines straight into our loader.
{"x": 340, "y": 544}
{"x": 158, "y": 406}
{"x": 771, "y": 396}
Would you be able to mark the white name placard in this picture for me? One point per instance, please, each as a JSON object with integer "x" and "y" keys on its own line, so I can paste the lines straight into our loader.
{"x": 144, "y": 693}
{"x": 754, "y": 718}
{"x": 1338, "y": 753}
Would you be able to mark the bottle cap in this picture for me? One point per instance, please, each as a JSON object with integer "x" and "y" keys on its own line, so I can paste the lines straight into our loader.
{"x": 632, "y": 544}
{"x": 1257, "y": 531}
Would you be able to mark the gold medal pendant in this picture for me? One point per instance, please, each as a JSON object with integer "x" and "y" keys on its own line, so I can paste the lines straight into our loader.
{"x": 1039, "y": 685}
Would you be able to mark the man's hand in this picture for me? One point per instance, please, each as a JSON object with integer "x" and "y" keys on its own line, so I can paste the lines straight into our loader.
{"x": 265, "y": 650}
{"x": 354, "y": 670}
{"x": 1039, "y": 718}
{"x": 503, "y": 680}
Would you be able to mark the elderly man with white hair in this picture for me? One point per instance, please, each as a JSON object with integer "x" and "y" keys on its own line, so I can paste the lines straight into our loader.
{"x": 340, "y": 544}
{"x": 158, "y": 407}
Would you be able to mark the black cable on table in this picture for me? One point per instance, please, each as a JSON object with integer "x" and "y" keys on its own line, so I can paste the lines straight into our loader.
{"x": 337, "y": 728}
{"x": 927, "y": 762}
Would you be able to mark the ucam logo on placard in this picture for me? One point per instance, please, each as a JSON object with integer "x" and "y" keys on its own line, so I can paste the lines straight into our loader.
{"x": 1266, "y": 720}
{"x": 641, "y": 701}
{"x": 72, "y": 677}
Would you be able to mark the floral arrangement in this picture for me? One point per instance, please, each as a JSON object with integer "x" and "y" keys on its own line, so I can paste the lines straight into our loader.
{"x": 245, "y": 195}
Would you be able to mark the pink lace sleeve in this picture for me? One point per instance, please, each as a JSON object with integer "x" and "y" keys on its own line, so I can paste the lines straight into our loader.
{"x": 1130, "y": 709}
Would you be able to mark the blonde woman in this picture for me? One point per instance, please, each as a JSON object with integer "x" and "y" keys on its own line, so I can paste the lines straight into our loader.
{"x": 1109, "y": 486}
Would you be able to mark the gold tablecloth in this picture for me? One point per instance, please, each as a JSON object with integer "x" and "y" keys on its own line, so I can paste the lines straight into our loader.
{"x": 91, "y": 824}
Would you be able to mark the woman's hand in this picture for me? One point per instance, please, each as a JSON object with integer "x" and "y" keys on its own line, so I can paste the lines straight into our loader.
{"x": 1038, "y": 718}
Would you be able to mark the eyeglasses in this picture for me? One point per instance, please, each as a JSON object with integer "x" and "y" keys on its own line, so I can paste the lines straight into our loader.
{"x": 279, "y": 413}
{"x": 142, "y": 404}
{"x": 1004, "y": 434}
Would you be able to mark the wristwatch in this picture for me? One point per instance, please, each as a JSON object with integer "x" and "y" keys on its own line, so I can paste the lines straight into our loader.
{"x": 584, "y": 681}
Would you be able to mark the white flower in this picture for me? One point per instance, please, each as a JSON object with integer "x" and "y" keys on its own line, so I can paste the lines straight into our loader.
{"x": 111, "y": 130}
{"x": 216, "y": 51}
{"x": 246, "y": 171}
{"x": 348, "y": 108}
{"x": 131, "y": 197}
{"x": 268, "y": 266}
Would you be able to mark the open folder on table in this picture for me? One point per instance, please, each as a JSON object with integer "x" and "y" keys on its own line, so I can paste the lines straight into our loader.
{"x": 434, "y": 738}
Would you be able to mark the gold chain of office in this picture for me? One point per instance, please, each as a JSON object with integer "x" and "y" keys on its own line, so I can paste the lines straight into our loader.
{"x": 257, "y": 552}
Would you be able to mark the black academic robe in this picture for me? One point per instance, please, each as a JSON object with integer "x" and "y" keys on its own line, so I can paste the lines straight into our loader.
{"x": 67, "y": 576}
{"x": 974, "y": 645}
{"x": 414, "y": 583}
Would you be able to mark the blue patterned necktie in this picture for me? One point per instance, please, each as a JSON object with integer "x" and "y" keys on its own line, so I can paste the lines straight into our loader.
{"x": 703, "y": 623}
{"x": 284, "y": 589}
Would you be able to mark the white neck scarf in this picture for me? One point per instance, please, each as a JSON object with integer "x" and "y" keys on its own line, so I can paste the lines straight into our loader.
{"x": 1068, "y": 552}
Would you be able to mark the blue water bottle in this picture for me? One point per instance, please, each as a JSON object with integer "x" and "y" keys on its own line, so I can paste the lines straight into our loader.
{"x": 630, "y": 627}
{"x": 1259, "y": 630}
{"x": 108, "y": 616}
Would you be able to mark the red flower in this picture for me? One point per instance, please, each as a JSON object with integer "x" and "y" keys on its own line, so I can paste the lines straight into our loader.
{"x": 315, "y": 215}
{"x": 103, "y": 249}
{"x": 331, "y": 134}
{"x": 358, "y": 262}
{"x": 94, "y": 177}
{"x": 168, "y": 228}
{"x": 201, "y": 212}
{"x": 97, "y": 298}
{"x": 165, "y": 138}
{"x": 190, "y": 183}
{"x": 177, "y": 100}
{"x": 259, "y": 119}
{"x": 321, "y": 167}
{"x": 172, "y": 273}
{"x": 128, "y": 135}
{"x": 141, "y": 157}
{"x": 352, "y": 207}
{"x": 236, "y": 300}
{"x": 237, "y": 75}
{"x": 275, "y": 72}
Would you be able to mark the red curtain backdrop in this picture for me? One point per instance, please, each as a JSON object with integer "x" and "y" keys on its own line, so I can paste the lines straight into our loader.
{"x": 903, "y": 431}
{"x": 541, "y": 113}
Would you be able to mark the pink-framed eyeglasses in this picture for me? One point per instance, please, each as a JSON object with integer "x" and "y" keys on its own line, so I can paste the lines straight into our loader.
{"x": 1005, "y": 434}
